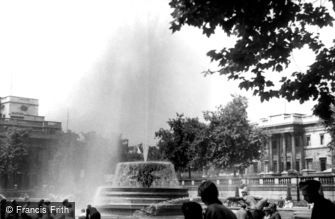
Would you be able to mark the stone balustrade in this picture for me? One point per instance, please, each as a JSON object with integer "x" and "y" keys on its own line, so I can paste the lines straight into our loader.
{"x": 273, "y": 186}
{"x": 261, "y": 180}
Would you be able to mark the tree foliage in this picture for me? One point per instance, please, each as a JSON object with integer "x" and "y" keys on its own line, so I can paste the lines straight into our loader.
{"x": 234, "y": 141}
{"x": 331, "y": 131}
{"x": 13, "y": 150}
{"x": 177, "y": 143}
{"x": 267, "y": 32}
{"x": 226, "y": 140}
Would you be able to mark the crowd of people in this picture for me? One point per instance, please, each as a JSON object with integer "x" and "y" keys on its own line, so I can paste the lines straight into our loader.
{"x": 253, "y": 209}
{"x": 215, "y": 209}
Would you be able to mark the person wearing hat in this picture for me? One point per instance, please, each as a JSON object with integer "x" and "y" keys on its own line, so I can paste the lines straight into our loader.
{"x": 271, "y": 211}
{"x": 323, "y": 208}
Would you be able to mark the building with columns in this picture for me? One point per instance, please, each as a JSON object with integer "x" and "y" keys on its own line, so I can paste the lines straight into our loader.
{"x": 296, "y": 142}
{"x": 22, "y": 113}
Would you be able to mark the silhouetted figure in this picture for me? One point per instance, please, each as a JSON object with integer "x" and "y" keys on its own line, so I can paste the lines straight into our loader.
{"x": 3, "y": 208}
{"x": 210, "y": 196}
{"x": 192, "y": 210}
{"x": 70, "y": 208}
{"x": 40, "y": 205}
{"x": 312, "y": 192}
{"x": 88, "y": 211}
{"x": 93, "y": 212}
{"x": 14, "y": 214}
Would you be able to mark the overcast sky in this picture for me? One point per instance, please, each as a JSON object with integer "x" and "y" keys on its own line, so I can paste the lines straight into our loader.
{"x": 115, "y": 66}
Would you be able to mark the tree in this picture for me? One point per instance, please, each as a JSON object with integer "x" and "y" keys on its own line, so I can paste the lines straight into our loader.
{"x": 154, "y": 154}
{"x": 233, "y": 141}
{"x": 177, "y": 143}
{"x": 331, "y": 131}
{"x": 267, "y": 32}
{"x": 13, "y": 152}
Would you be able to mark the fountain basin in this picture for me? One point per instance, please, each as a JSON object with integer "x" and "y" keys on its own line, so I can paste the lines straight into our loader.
{"x": 137, "y": 185}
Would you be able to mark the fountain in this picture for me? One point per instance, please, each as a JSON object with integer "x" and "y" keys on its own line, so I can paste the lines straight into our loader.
{"x": 137, "y": 185}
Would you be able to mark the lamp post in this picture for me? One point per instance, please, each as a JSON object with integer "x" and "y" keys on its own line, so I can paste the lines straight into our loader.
{"x": 298, "y": 192}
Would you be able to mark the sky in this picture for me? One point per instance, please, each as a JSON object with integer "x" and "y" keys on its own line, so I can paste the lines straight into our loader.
{"x": 115, "y": 67}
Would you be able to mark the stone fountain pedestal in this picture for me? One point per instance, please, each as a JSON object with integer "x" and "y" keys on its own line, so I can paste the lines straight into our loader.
{"x": 138, "y": 185}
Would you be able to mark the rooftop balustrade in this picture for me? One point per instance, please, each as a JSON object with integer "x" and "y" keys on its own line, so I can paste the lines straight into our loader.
{"x": 36, "y": 128}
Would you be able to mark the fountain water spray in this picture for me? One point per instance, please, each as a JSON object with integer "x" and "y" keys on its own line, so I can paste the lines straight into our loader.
{"x": 145, "y": 151}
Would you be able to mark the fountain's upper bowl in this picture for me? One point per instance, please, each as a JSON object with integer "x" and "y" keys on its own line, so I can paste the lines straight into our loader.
{"x": 149, "y": 174}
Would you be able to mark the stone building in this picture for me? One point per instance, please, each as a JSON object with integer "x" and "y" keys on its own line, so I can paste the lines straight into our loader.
{"x": 296, "y": 142}
{"x": 22, "y": 113}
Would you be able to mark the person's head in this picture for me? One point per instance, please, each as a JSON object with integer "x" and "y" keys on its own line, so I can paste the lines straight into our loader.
{"x": 192, "y": 210}
{"x": 208, "y": 192}
{"x": 270, "y": 209}
{"x": 65, "y": 202}
{"x": 310, "y": 190}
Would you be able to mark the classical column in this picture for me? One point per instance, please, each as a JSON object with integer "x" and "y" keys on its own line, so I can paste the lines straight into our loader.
{"x": 293, "y": 152}
{"x": 302, "y": 150}
{"x": 284, "y": 151}
{"x": 279, "y": 155}
{"x": 270, "y": 154}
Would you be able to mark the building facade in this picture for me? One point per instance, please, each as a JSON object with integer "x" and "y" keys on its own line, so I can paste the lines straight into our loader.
{"x": 22, "y": 113}
{"x": 296, "y": 142}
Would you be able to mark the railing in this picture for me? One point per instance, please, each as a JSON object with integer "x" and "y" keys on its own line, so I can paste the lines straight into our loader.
{"x": 284, "y": 180}
{"x": 268, "y": 181}
{"x": 327, "y": 180}
{"x": 36, "y": 128}
{"x": 253, "y": 181}
{"x": 30, "y": 123}
{"x": 262, "y": 180}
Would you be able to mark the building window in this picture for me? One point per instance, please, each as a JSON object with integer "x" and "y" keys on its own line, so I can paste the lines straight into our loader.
{"x": 255, "y": 164}
{"x": 297, "y": 165}
{"x": 281, "y": 167}
{"x": 308, "y": 140}
{"x": 323, "y": 163}
{"x": 288, "y": 165}
{"x": 274, "y": 166}
{"x": 266, "y": 166}
{"x": 288, "y": 144}
{"x": 322, "y": 138}
{"x": 309, "y": 163}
